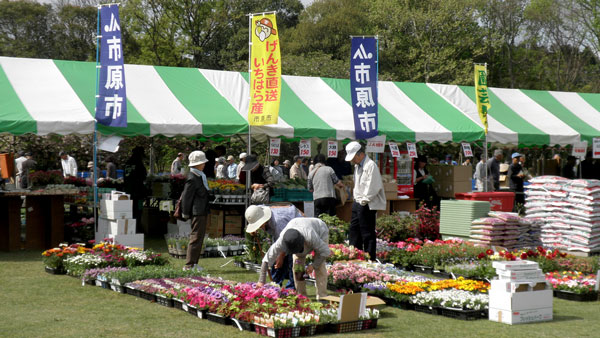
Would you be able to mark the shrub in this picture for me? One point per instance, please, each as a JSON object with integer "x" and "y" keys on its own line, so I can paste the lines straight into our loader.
{"x": 396, "y": 227}
{"x": 338, "y": 229}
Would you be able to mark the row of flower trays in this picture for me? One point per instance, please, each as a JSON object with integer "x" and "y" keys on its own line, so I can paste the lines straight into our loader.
{"x": 243, "y": 305}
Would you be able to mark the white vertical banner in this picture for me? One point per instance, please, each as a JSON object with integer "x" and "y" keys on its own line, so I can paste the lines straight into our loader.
{"x": 274, "y": 146}
{"x": 394, "y": 149}
{"x": 412, "y": 150}
{"x": 332, "y": 149}
{"x": 376, "y": 144}
{"x": 596, "y": 147}
{"x": 305, "y": 148}
{"x": 467, "y": 149}
{"x": 579, "y": 149}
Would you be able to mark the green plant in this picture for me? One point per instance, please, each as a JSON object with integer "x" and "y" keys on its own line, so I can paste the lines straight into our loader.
{"x": 478, "y": 269}
{"x": 43, "y": 178}
{"x": 338, "y": 229}
{"x": 396, "y": 227}
{"x": 257, "y": 243}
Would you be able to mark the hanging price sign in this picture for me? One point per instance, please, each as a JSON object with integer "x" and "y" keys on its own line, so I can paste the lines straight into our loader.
{"x": 579, "y": 149}
{"x": 467, "y": 150}
{"x": 412, "y": 150}
{"x": 596, "y": 147}
{"x": 376, "y": 144}
{"x": 275, "y": 146}
{"x": 305, "y": 148}
{"x": 332, "y": 149}
{"x": 394, "y": 149}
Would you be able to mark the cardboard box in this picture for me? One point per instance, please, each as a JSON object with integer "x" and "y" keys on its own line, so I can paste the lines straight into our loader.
{"x": 125, "y": 226}
{"x": 520, "y": 317}
{"x": 391, "y": 195}
{"x": 392, "y": 187}
{"x": 119, "y": 196}
{"x": 520, "y": 275}
{"x": 372, "y": 302}
{"x": 449, "y": 189}
{"x": 515, "y": 265}
{"x": 114, "y": 209}
{"x": 517, "y": 300}
{"x": 134, "y": 240}
{"x": 522, "y": 286}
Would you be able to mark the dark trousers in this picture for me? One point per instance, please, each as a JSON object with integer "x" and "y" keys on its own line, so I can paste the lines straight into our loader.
{"x": 362, "y": 229}
{"x": 196, "y": 239}
{"x": 286, "y": 271}
{"x": 325, "y": 205}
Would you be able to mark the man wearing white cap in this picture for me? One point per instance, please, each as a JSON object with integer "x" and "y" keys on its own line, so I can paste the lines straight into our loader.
{"x": 278, "y": 217}
{"x": 194, "y": 205}
{"x": 241, "y": 166}
{"x": 231, "y": 167}
{"x": 369, "y": 196}
{"x": 300, "y": 237}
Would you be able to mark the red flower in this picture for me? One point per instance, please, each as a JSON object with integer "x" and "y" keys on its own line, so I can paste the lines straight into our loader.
{"x": 489, "y": 252}
{"x": 524, "y": 255}
{"x": 481, "y": 255}
{"x": 563, "y": 254}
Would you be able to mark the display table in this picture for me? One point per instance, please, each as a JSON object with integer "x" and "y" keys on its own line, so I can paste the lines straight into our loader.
{"x": 44, "y": 227}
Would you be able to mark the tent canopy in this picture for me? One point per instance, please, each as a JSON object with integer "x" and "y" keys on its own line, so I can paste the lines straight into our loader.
{"x": 42, "y": 97}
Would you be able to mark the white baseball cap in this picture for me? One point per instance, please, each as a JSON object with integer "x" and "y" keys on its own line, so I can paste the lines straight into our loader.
{"x": 243, "y": 155}
{"x": 256, "y": 215}
{"x": 197, "y": 157}
{"x": 351, "y": 149}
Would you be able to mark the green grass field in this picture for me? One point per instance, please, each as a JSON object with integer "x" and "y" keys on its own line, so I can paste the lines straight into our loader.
{"x": 37, "y": 304}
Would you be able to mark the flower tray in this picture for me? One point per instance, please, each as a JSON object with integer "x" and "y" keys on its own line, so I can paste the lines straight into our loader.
{"x": 164, "y": 301}
{"x": 148, "y": 296}
{"x": 102, "y": 284}
{"x": 202, "y": 314}
{"x": 403, "y": 305}
{"x": 423, "y": 269}
{"x": 213, "y": 317}
{"x": 322, "y": 328}
{"x": 242, "y": 325}
{"x": 463, "y": 314}
{"x": 284, "y": 332}
{"x": 346, "y": 327}
{"x": 192, "y": 310}
{"x": 178, "y": 304}
{"x": 132, "y": 291}
{"x": 239, "y": 264}
{"x": 426, "y": 309}
{"x": 442, "y": 274}
{"x": 308, "y": 330}
{"x": 117, "y": 288}
{"x": 53, "y": 271}
{"x": 90, "y": 282}
{"x": 578, "y": 297}
{"x": 369, "y": 324}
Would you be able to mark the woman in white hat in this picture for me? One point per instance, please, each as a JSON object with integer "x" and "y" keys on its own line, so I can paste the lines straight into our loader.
{"x": 194, "y": 205}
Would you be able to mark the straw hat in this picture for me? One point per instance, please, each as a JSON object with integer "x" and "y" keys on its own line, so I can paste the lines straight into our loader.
{"x": 256, "y": 215}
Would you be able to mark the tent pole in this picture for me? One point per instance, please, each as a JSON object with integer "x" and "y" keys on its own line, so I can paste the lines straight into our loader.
{"x": 249, "y": 145}
{"x": 485, "y": 160}
{"x": 95, "y": 175}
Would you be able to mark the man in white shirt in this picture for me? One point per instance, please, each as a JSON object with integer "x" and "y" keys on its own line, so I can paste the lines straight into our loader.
{"x": 69, "y": 165}
{"x": 176, "y": 165}
{"x": 19, "y": 168}
{"x": 231, "y": 167}
{"x": 369, "y": 196}
{"x": 296, "y": 169}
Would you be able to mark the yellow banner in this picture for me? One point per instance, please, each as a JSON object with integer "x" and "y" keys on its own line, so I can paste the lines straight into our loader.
{"x": 481, "y": 92}
{"x": 265, "y": 75}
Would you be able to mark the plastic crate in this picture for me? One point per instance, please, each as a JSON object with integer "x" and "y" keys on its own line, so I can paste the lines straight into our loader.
{"x": 499, "y": 201}
{"x": 582, "y": 297}
{"x": 426, "y": 309}
{"x": 148, "y": 296}
{"x": 369, "y": 324}
{"x": 298, "y": 195}
{"x": 284, "y": 332}
{"x": 192, "y": 310}
{"x": 246, "y": 326}
{"x": 213, "y": 317}
{"x": 279, "y": 195}
{"x": 177, "y": 304}
{"x": 346, "y": 327}
{"x": 308, "y": 330}
{"x": 164, "y": 301}
{"x": 463, "y": 314}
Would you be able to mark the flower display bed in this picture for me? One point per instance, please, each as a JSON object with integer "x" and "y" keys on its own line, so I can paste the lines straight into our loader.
{"x": 463, "y": 314}
{"x": 53, "y": 271}
{"x": 164, "y": 301}
{"x": 213, "y": 317}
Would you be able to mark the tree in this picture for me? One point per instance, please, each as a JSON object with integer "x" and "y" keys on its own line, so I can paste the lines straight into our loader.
{"x": 75, "y": 33}
{"x": 25, "y": 29}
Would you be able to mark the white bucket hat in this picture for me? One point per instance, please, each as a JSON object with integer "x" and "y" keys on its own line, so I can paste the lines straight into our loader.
{"x": 257, "y": 215}
{"x": 197, "y": 157}
{"x": 351, "y": 149}
{"x": 243, "y": 155}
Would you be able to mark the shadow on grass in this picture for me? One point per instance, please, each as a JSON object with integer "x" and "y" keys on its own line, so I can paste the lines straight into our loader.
{"x": 21, "y": 256}
{"x": 559, "y": 318}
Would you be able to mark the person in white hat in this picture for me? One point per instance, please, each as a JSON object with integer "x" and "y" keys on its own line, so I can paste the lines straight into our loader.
{"x": 240, "y": 166}
{"x": 369, "y": 196}
{"x": 273, "y": 219}
{"x": 300, "y": 237}
{"x": 221, "y": 169}
{"x": 231, "y": 167}
{"x": 194, "y": 205}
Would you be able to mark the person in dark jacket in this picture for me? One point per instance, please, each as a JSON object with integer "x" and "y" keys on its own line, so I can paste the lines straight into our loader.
{"x": 260, "y": 177}
{"x": 111, "y": 168}
{"x": 568, "y": 170}
{"x": 515, "y": 175}
{"x": 423, "y": 191}
{"x": 134, "y": 180}
{"x": 194, "y": 205}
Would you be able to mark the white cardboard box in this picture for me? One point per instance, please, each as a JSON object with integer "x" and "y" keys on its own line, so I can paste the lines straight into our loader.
{"x": 134, "y": 240}
{"x": 125, "y": 226}
{"x": 521, "y": 286}
{"x": 520, "y": 317}
{"x": 515, "y": 265}
{"x": 117, "y": 215}
{"x": 181, "y": 228}
{"x": 116, "y": 205}
{"x": 119, "y": 195}
{"x": 520, "y": 275}
{"x": 519, "y": 301}
{"x": 100, "y": 236}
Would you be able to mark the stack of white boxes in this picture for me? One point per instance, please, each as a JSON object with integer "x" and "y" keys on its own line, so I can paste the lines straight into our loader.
{"x": 521, "y": 294}
{"x": 181, "y": 228}
{"x": 116, "y": 221}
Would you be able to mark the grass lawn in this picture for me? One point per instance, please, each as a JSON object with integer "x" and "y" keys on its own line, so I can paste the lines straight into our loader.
{"x": 37, "y": 304}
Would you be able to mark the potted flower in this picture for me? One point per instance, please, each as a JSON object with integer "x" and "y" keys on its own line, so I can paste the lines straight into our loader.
{"x": 181, "y": 246}
{"x": 210, "y": 245}
{"x": 222, "y": 245}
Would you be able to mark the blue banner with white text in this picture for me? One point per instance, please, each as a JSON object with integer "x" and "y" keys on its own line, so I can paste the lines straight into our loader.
{"x": 111, "y": 103}
{"x": 363, "y": 84}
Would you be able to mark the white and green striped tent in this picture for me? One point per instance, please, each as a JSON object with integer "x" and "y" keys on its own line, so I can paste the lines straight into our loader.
{"x": 50, "y": 96}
